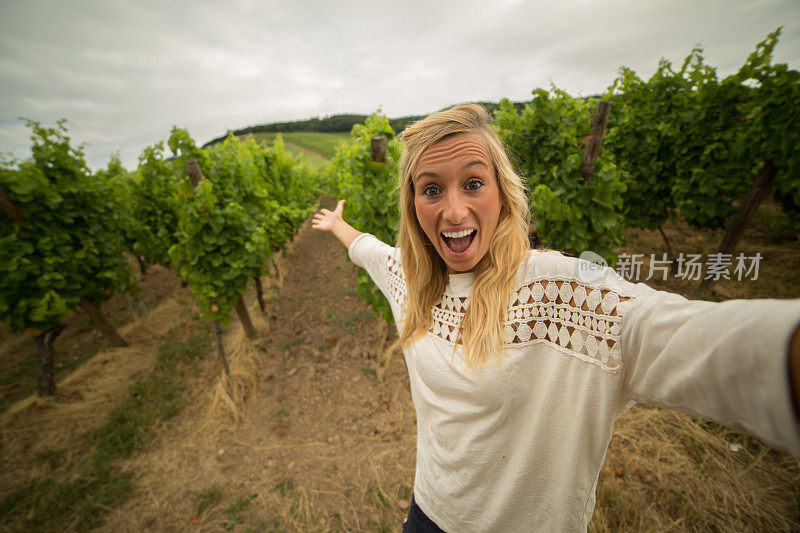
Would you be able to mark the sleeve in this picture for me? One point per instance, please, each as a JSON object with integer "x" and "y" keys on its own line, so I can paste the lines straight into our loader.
{"x": 372, "y": 255}
{"x": 721, "y": 361}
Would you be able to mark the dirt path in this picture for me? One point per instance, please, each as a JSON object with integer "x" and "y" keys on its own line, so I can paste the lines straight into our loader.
{"x": 327, "y": 444}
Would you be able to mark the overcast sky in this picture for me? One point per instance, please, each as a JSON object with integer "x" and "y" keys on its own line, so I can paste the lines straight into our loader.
{"x": 124, "y": 72}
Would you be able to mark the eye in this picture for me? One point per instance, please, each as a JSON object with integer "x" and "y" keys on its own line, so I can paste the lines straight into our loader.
{"x": 473, "y": 185}
{"x": 430, "y": 190}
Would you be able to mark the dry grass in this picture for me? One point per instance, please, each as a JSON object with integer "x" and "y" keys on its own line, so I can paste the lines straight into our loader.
{"x": 668, "y": 471}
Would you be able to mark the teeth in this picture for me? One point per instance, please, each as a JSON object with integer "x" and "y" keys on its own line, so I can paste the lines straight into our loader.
{"x": 457, "y": 234}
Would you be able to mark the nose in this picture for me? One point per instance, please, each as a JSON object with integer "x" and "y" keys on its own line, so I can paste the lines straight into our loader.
{"x": 455, "y": 209}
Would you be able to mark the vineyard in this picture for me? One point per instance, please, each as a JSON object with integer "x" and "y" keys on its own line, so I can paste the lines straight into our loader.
{"x": 180, "y": 350}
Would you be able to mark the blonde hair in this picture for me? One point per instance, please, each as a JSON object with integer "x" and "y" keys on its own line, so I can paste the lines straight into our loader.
{"x": 481, "y": 332}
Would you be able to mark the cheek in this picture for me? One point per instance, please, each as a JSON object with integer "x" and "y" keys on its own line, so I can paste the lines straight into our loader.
{"x": 489, "y": 207}
{"x": 485, "y": 204}
{"x": 426, "y": 216}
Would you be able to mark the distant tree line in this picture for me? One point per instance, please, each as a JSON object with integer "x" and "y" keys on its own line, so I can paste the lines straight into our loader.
{"x": 335, "y": 123}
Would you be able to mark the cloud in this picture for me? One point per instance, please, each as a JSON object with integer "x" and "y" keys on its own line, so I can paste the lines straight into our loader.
{"x": 124, "y": 73}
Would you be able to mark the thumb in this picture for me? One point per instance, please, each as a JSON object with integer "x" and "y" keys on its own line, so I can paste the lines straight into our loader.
{"x": 340, "y": 206}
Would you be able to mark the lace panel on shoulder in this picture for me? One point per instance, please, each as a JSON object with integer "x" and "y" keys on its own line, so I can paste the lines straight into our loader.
{"x": 573, "y": 318}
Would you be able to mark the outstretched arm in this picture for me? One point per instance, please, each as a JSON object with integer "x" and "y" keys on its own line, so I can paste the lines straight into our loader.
{"x": 332, "y": 221}
{"x": 723, "y": 361}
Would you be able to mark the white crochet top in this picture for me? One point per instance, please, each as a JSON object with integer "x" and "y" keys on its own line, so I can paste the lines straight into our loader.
{"x": 518, "y": 446}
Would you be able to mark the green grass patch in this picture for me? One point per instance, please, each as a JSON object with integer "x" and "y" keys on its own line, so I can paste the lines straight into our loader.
{"x": 206, "y": 499}
{"x": 49, "y": 505}
{"x": 94, "y": 486}
{"x": 320, "y": 142}
{"x": 24, "y": 369}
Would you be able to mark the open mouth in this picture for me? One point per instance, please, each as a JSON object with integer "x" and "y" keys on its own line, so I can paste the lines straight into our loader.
{"x": 458, "y": 241}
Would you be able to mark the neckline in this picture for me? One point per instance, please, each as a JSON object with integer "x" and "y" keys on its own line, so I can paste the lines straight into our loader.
{"x": 459, "y": 284}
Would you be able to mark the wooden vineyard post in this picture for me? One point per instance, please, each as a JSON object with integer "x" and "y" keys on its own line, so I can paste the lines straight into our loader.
{"x": 244, "y": 318}
{"x": 142, "y": 267}
{"x": 104, "y": 325}
{"x": 195, "y": 174}
{"x": 44, "y": 355}
{"x": 758, "y": 190}
{"x": 595, "y": 141}
{"x": 220, "y": 348}
{"x": 380, "y": 146}
{"x": 260, "y": 294}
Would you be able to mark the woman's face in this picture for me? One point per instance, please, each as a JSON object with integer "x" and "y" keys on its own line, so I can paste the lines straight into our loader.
{"x": 457, "y": 200}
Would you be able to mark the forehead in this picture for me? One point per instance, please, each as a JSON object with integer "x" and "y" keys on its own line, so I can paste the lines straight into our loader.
{"x": 458, "y": 149}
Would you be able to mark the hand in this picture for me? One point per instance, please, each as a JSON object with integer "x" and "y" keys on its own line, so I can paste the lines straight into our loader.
{"x": 327, "y": 220}
{"x": 332, "y": 221}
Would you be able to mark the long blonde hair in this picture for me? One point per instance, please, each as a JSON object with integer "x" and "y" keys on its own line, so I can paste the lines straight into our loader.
{"x": 481, "y": 332}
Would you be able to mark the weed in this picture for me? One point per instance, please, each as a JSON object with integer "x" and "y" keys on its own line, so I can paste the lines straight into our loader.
{"x": 280, "y": 412}
{"x": 404, "y": 492}
{"x": 294, "y": 510}
{"x": 384, "y": 527}
{"x": 294, "y": 342}
{"x": 182, "y": 352}
{"x": 380, "y": 499}
{"x": 205, "y": 499}
{"x": 362, "y": 315}
{"x": 53, "y": 458}
{"x": 351, "y": 318}
{"x": 235, "y": 515}
{"x": 284, "y": 487}
{"x": 368, "y": 370}
{"x": 332, "y": 471}
{"x": 349, "y": 291}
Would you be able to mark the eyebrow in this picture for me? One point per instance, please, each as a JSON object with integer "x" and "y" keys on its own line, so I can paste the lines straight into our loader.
{"x": 466, "y": 166}
{"x": 473, "y": 163}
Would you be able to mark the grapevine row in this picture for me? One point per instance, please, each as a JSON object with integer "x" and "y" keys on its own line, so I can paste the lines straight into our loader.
{"x": 65, "y": 230}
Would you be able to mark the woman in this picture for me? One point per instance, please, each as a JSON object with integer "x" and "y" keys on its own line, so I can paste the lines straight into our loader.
{"x": 518, "y": 368}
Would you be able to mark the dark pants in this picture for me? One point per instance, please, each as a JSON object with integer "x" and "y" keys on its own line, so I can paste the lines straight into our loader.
{"x": 418, "y": 522}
